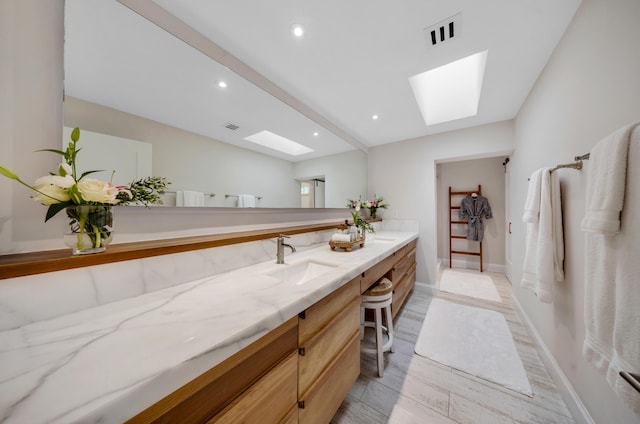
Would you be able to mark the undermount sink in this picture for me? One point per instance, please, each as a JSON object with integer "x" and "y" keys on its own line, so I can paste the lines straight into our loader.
{"x": 301, "y": 272}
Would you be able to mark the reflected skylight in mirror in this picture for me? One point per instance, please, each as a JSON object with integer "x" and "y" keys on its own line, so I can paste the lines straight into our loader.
{"x": 279, "y": 143}
{"x": 451, "y": 91}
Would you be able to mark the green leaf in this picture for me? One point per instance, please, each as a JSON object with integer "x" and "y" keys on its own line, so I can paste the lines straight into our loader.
{"x": 55, "y": 208}
{"x": 76, "y": 196}
{"x": 84, "y": 174}
{"x": 60, "y": 152}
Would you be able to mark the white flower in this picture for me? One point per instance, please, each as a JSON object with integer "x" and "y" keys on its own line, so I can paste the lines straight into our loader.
{"x": 97, "y": 191}
{"x": 368, "y": 204}
{"x": 357, "y": 207}
{"x": 52, "y": 189}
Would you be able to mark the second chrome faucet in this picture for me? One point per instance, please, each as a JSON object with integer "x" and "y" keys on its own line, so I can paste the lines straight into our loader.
{"x": 281, "y": 245}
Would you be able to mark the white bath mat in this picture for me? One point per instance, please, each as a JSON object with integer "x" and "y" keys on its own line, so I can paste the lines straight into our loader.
{"x": 473, "y": 340}
{"x": 469, "y": 283}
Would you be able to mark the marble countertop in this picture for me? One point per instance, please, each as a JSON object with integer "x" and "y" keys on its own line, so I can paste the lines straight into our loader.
{"x": 108, "y": 363}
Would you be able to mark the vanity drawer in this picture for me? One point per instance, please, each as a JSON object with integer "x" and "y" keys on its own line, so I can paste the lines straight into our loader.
{"x": 324, "y": 347}
{"x": 402, "y": 289}
{"x": 320, "y": 314}
{"x": 373, "y": 274}
{"x": 323, "y": 399}
{"x": 269, "y": 400}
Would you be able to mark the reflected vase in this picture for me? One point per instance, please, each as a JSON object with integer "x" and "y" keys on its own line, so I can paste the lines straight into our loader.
{"x": 90, "y": 228}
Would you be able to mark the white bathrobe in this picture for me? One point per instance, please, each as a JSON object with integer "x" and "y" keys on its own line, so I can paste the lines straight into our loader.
{"x": 612, "y": 262}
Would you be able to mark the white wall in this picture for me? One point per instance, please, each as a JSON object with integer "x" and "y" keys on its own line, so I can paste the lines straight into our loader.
{"x": 31, "y": 72}
{"x": 404, "y": 173}
{"x": 465, "y": 176}
{"x": 345, "y": 176}
{"x": 590, "y": 87}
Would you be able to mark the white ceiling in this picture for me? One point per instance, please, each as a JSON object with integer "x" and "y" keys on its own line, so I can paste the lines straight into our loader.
{"x": 355, "y": 60}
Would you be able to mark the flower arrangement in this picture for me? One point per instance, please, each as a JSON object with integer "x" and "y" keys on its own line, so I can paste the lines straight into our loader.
{"x": 374, "y": 205}
{"x": 358, "y": 221}
{"x": 87, "y": 200}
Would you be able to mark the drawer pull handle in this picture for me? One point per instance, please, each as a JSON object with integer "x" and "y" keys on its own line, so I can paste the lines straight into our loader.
{"x": 301, "y": 404}
{"x": 302, "y": 351}
{"x": 302, "y": 315}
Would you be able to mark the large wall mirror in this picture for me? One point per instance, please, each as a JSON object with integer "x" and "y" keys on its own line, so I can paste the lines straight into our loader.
{"x": 129, "y": 81}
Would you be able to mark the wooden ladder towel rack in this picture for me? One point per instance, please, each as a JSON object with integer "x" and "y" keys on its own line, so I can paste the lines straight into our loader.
{"x": 453, "y": 222}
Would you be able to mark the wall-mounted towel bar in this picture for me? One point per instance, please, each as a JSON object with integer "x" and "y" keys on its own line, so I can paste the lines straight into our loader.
{"x": 173, "y": 192}
{"x": 633, "y": 379}
{"x": 576, "y": 165}
{"x": 235, "y": 195}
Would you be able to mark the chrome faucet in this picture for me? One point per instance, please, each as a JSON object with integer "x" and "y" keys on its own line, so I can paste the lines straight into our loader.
{"x": 281, "y": 245}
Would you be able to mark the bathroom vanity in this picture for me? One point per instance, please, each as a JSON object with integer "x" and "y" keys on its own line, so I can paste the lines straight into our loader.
{"x": 263, "y": 342}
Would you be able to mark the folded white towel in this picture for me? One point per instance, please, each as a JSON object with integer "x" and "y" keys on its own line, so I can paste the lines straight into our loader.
{"x": 606, "y": 182}
{"x": 189, "y": 198}
{"x": 612, "y": 295}
{"x": 532, "y": 203}
{"x": 246, "y": 201}
{"x": 341, "y": 237}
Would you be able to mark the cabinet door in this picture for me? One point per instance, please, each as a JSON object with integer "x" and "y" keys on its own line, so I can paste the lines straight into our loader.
{"x": 269, "y": 400}
{"x": 320, "y": 351}
{"x": 324, "y": 397}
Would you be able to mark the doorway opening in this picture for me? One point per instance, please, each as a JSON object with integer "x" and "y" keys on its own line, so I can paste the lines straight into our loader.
{"x": 312, "y": 193}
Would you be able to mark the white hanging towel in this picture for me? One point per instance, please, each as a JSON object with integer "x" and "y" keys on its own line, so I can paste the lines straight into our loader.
{"x": 544, "y": 248}
{"x": 612, "y": 265}
{"x": 246, "y": 201}
{"x": 189, "y": 198}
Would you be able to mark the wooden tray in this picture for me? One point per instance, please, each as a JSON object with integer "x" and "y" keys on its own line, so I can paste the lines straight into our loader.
{"x": 346, "y": 245}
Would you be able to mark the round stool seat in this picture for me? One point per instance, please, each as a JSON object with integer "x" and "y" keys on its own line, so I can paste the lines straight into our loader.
{"x": 378, "y": 299}
{"x": 381, "y": 288}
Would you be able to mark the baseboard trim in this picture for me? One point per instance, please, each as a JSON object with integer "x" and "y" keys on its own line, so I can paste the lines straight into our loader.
{"x": 571, "y": 398}
{"x": 461, "y": 263}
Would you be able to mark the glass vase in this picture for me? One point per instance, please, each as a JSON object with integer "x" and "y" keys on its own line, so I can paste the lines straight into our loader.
{"x": 90, "y": 228}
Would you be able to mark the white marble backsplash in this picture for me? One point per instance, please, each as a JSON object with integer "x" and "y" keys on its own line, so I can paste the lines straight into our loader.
{"x": 33, "y": 298}
{"x": 37, "y": 297}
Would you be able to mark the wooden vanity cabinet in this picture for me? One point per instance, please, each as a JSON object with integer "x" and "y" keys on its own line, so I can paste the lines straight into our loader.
{"x": 329, "y": 353}
{"x": 403, "y": 276}
{"x": 400, "y": 268}
{"x": 259, "y": 381}
{"x": 300, "y": 372}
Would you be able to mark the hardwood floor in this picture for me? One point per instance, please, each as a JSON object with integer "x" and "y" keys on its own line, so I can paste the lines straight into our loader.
{"x": 415, "y": 389}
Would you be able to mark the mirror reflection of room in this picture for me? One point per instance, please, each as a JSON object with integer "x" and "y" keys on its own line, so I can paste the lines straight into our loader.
{"x": 197, "y": 131}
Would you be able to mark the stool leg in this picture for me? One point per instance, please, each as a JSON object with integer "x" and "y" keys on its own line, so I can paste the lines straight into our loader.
{"x": 379, "y": 341}
{"x": 387, "y": 311}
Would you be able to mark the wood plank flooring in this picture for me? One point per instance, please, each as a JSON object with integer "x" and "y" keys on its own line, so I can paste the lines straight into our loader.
{"x": 415, "y": 389}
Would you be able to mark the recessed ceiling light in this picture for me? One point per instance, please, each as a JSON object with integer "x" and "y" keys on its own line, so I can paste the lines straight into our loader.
{"x": 374, "y": 117}
{"x": 315, "y": 134}
{"x": 222, "y": 84}
{"x": 297, "y": 30}
{"x": 279, "y": 143}
{"x": 451, "y": 91}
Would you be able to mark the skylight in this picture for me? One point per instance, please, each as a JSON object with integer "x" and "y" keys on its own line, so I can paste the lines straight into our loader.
{"x": 451, "y": 91}
{"x": 279, "y": 143}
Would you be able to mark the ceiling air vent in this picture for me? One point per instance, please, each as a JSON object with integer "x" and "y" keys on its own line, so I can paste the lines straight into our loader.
{"x": 231, "y": 126}
{"x": 443, "y": 30}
